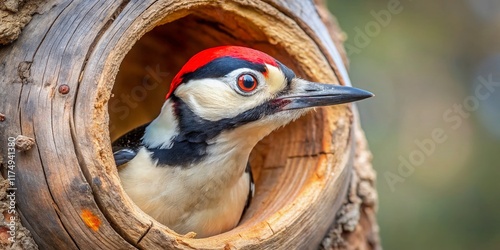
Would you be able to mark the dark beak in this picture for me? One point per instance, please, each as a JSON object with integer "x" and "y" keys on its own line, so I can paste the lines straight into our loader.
{"x": 307, "y": 94}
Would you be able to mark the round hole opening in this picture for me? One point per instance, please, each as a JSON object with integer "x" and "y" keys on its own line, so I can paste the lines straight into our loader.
{"x": 143, "y": 81}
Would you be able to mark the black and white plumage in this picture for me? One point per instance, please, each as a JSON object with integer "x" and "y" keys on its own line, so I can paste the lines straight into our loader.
{"x": 188, "y": 168}
{"x": 127, "y": 146}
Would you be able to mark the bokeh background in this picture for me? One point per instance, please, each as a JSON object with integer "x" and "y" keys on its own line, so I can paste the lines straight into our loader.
{"x": 427, "y": 64}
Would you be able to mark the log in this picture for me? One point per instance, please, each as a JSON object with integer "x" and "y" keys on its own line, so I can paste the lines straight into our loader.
{"x": 84, "y": 72}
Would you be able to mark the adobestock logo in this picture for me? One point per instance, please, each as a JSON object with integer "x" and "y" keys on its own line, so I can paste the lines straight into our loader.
{"x": 381, "y": 19}
{"x": 454, "y": 117}
{"x": 124, "y": 104}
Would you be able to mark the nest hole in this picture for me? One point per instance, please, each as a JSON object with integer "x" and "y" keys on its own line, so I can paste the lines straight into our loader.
{"x": 144, "y": 78}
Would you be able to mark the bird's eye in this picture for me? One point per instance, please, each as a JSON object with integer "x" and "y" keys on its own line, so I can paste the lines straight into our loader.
{"x": 247, "y": 83}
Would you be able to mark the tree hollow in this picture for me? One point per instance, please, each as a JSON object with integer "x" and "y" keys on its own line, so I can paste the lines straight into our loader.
{"x": 117, "y": 60}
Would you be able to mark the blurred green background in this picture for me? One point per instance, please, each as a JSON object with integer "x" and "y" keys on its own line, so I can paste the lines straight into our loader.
{"x": 429, "y": 63}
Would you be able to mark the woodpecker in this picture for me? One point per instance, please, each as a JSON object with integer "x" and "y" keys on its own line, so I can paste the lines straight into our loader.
{"x": 188, "y": 168}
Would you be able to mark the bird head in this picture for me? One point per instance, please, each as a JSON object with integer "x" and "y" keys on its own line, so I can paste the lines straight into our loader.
{"x": 240, "y": 93}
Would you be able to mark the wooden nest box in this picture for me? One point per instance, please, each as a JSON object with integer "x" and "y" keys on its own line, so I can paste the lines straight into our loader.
{"x": 84, "y": 72}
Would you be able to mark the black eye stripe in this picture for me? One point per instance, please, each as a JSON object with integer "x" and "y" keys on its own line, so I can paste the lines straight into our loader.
{"x": 289, "y": 74}
{"x": 220, "y": 67}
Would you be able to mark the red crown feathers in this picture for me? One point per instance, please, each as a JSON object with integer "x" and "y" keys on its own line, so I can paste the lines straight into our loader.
{"x": 204, "y": 57}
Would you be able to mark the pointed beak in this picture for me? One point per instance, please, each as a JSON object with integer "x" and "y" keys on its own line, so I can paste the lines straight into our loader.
{"x": 305, "y": 94}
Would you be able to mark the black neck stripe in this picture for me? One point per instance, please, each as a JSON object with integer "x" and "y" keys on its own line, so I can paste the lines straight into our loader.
{"x": 190, "y": 145}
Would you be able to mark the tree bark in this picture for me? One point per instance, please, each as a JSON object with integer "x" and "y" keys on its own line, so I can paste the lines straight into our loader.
{"x": 72, "y": 59}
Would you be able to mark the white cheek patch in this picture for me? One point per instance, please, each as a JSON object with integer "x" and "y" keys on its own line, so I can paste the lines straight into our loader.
{"x": 275, "y": 80}
{"x": 212, "y": 99}
{"x": 162, "y": 129}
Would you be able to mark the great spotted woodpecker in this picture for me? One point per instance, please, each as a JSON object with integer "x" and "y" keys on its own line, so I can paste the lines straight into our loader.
{"x": 188, "y": 168}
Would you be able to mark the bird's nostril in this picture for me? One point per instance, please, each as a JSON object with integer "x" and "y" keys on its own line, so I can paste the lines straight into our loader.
{"x": 308, "y": 87}
{"x": 311, "y": 88}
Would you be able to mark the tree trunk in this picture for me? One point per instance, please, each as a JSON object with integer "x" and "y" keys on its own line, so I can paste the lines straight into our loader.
{"x": 83, "y": 72}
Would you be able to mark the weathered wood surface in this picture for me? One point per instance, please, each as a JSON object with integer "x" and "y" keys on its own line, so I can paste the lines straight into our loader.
{"x": 69, "y": 194}
{"x": 356, "y": 224}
